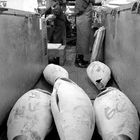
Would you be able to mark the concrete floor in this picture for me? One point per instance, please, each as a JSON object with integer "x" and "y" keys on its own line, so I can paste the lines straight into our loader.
{"x": 79, "y": 75}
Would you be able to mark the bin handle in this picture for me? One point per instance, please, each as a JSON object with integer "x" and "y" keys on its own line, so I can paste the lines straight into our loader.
{"x": 135, "y": 8}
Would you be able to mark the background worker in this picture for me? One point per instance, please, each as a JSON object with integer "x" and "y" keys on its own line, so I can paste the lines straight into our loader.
{"x": 84, "y": 43}
{"x": 83, "y": 9}
{"x": 56, "y": 15}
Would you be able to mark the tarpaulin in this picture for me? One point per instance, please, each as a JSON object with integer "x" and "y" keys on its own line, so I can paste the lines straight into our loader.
{"x": 122, "y": 49}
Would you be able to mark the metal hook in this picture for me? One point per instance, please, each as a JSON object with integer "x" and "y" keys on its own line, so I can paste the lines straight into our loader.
{"x": 135, "y": 8}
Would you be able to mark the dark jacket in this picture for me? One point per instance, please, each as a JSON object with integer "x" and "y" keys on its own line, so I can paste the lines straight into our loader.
{"x": 58, "y": 31}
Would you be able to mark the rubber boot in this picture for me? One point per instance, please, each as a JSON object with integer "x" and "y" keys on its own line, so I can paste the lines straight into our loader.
{"x": 80, "y": 62}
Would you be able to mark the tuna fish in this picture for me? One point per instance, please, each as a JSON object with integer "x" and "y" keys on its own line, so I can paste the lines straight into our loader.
{"x": 30, "y": 117}
{"x": 52, "y": 72}
{"x": 72, "y": 111}
{"x": 116, "y": 116}
{"x": 99, "y": 74}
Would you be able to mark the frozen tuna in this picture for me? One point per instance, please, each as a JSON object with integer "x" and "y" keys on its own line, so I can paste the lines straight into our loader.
{"x": 72, "y": 111}
{"x": 99, "y": 74}
{"x": 116, "y": 116}
{"x": 30, "y": 118}
{"x": 52, "y": 72}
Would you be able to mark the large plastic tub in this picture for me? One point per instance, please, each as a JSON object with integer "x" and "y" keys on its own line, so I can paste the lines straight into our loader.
{"x": 122, "y": 48}
{"x": 23, "y": 56}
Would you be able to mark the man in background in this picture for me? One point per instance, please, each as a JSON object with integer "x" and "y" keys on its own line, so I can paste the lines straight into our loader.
{"x": 84, "y": 43}
{"x": 56, "y": 17}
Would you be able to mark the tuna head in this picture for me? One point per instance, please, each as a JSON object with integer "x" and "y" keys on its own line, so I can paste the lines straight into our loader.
{"x": 52, "y": 72}
{"x": 99, "y": 74}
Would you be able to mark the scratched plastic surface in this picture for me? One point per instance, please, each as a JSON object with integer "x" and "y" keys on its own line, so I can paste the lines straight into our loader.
{"x": 21, "y": 56}
{"x": 122, "y": 51}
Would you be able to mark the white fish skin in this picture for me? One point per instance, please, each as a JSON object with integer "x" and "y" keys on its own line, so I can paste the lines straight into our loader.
{"x": 30, "y": 117}
{"x": 116, "y": 116}
{"x": 52, "y": 72}
{"x": 99, "y": 74}
{"x": 72, "y": 111}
